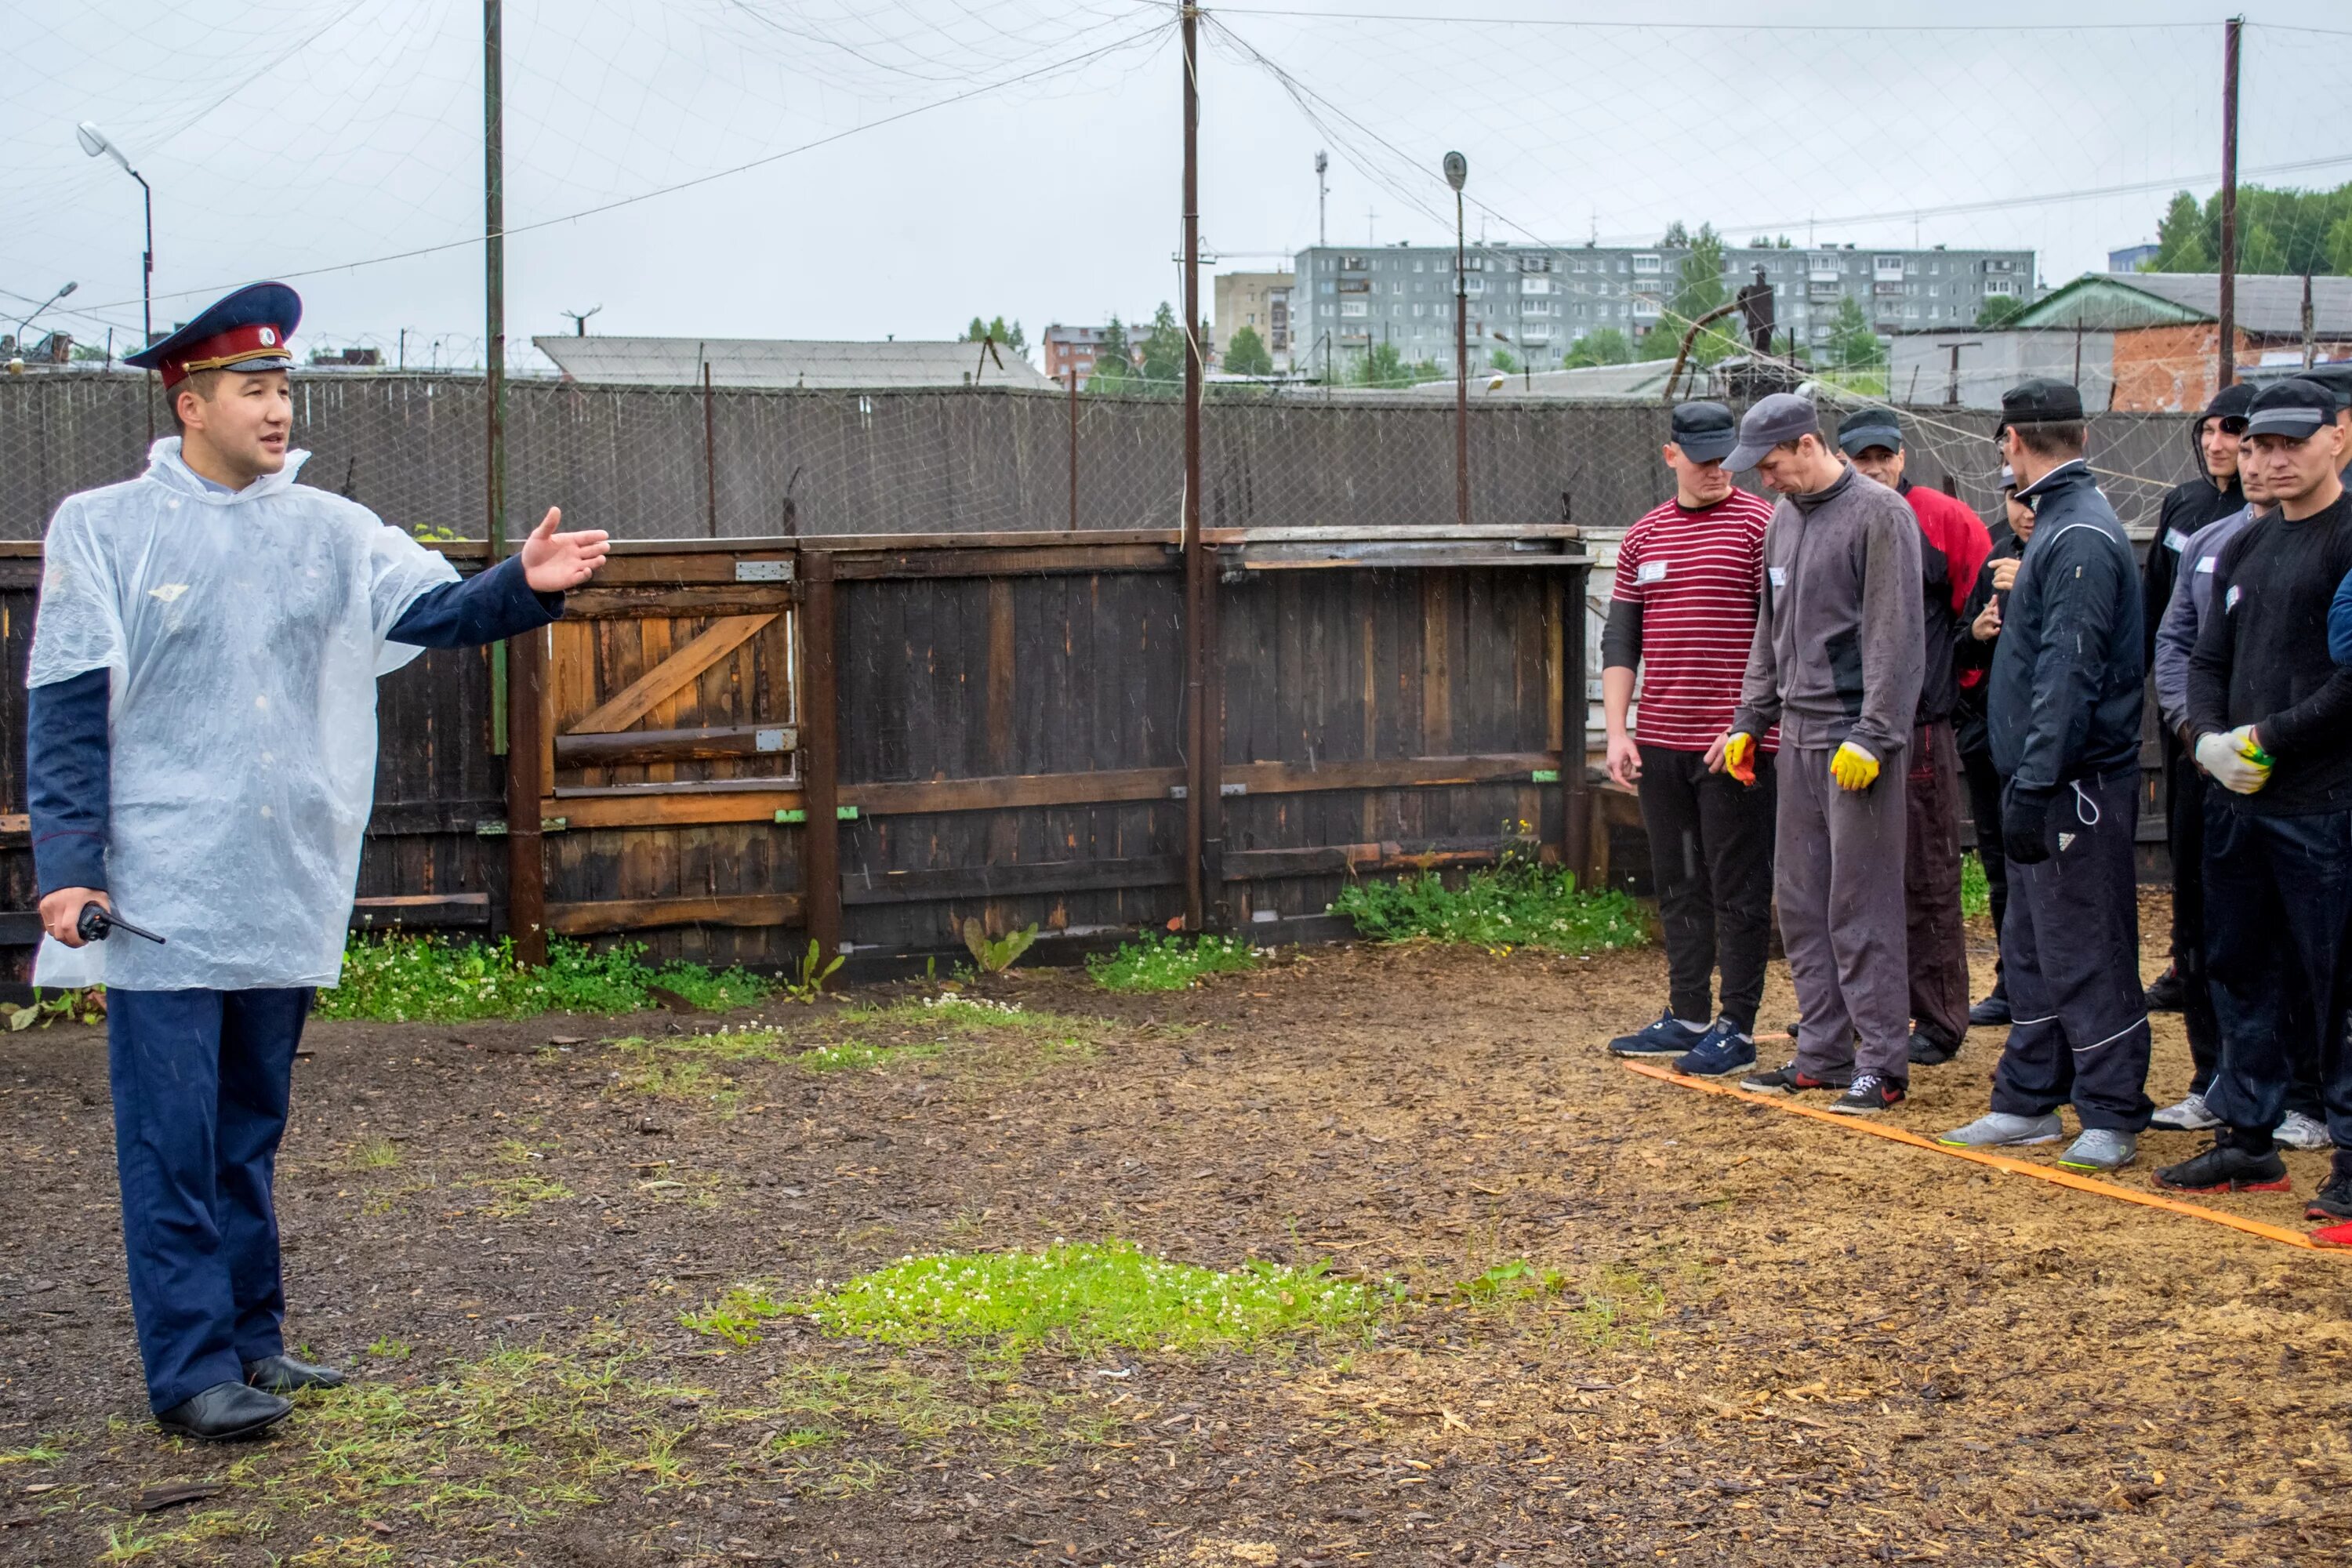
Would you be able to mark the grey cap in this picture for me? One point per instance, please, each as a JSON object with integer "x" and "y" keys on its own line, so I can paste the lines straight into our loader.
{"x": 1783, "y": 416}
{"x": 1867, "y": 427}
{"x": 1705, "y": 431}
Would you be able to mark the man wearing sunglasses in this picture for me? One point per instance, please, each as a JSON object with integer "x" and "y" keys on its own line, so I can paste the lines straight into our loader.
{"x": 2215, "y": 493}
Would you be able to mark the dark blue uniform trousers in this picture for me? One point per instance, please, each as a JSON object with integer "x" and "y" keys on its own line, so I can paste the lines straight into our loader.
{"x": 2278, "y": 920}
{"x": 2070, "y": 954}
{"x": 200, "y": 1082}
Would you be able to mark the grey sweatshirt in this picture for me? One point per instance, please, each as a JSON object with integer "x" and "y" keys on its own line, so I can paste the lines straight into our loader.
{"x": 1837, "y": 654}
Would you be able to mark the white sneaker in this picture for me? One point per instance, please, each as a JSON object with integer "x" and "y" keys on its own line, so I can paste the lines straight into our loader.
{"x": 2297, "y": 1130}
{"x": 2005, "y": 1129}
{"x": 2189, "y": 1116}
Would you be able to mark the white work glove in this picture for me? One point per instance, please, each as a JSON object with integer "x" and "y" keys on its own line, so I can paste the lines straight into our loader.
{"x": 2229, "y": 761}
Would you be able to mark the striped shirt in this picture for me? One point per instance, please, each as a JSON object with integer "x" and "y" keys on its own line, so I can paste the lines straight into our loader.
{"x": 1696, "y": 575}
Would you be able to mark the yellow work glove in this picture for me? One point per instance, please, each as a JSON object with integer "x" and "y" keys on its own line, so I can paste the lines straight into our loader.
{"x": 1853, "y": 767}
{"x": 1739, "y": 756}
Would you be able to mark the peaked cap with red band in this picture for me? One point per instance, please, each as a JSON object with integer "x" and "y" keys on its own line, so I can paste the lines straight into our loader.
{"x": 246, "y": 331}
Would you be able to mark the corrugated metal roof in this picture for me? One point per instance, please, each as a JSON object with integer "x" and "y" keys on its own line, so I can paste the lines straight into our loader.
{"x": 2268, "y": 304}
{"x": 777, "y": 362}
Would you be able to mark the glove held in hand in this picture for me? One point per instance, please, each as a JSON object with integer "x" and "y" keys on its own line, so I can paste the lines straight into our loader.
{"x": 2025, "y": 824}
{"x": 1854, "y": 767}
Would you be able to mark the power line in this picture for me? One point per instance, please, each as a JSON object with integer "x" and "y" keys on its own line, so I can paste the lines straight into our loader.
{"x": 1586, "y": 25}
{"x": 1159, "y": 29}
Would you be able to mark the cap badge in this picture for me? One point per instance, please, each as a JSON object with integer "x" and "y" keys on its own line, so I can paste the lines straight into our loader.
{"x": 269, "y": 336}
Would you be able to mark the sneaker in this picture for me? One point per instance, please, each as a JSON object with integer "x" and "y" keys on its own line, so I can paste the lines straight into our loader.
{"x": 2189, "y": 1116}
{"x": 2166, "y": 993}
{"x": 1722, "y": 1050}
{"x": 2226, "y": 1168}
{"x": 1992, "y": 1013}
{"x": 2297, "y": 1130}
{"x": 2332, "y": 1236}
{"x": 2333, "y": 1201}
{"x": 1869, "y": 1095}
{"x": 1669, "y": 1036}
{"x": 2100, "y": 1148}
{"x": 2003, "y": 1129}
{"x": 1786, "y": 1080}
{"x": 1927, "y": 1051}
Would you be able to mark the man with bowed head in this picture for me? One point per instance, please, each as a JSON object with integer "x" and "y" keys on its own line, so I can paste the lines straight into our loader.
{"x": 201, "y": 752}
{"x": 1836, "y": 664}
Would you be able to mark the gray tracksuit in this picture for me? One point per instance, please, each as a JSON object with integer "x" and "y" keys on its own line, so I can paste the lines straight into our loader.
{"x": 1837, "y": 658}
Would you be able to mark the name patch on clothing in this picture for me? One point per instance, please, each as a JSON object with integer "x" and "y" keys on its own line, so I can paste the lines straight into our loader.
{"x": 2206, "y": 565}
{"x": 2175, "y": 540}
{"x": 1651, "y": 572}
{"x": 2230, "y": 599}
{"x": 1779, "y": 575}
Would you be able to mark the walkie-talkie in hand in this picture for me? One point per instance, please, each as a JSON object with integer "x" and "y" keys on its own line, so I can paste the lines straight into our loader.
{"x": 97, "y": 921}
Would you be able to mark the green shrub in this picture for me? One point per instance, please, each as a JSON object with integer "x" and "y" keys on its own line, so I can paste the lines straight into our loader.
{"x": 1976, "y": 893}
{"x": 1517, "y": 904}
{"x": 1156, "y": 963}
{"x": 430, "y": 979}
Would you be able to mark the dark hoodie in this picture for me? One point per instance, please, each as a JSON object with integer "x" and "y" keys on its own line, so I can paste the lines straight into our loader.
{"x": 2186, "y": 508}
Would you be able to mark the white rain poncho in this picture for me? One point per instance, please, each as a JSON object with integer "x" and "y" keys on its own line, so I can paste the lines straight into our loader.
{"x": 245, "y": 633}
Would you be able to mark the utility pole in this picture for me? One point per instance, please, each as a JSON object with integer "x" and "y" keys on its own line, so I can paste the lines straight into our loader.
{"x": 1322, "y": 197}
{"x": 1457, "y": 174}
{"x": 1202, "y": 772}
{"x": 2226, "y": 355}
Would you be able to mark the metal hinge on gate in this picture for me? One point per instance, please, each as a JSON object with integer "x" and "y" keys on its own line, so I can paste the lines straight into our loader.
{"x": 764, "y": 571}
{"x": 842, "y": 813}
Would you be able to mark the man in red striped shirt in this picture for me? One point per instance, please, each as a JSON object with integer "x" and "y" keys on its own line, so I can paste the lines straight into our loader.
{"x": 1683, "y": 613}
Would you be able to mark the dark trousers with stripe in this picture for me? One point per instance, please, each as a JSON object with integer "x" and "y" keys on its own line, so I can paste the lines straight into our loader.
{"x": 202, "y": 1081}
{"x": 1711, "y": 859}
{"x": 2278, "y": 924}
{"x": 1984, "y": 811}
{"x": 2070, "y": 952}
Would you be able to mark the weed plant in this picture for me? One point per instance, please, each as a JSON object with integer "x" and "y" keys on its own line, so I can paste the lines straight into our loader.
{"x": 1517, "y": 904}
{"x": 430, "y": 979}
{"x": 1976, "y": 893}
{"x": 1157, "y": 962}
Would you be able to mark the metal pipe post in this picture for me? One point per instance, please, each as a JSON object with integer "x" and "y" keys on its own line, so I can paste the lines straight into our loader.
{"x": 2226, "y": 349}
{"x": 1074, "y": 450}
{"x": 1200, "y": 773}
{"x": 147, "y": 295}
{"x": 709, "y": 459}
{"x": 1461, "y": 375}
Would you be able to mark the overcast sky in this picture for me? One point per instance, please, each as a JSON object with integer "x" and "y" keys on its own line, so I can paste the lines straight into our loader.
{"x": 919, "y": 161}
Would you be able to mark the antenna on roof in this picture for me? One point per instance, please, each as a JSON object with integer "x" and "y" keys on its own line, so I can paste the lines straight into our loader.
{"x": 580, "y": 320}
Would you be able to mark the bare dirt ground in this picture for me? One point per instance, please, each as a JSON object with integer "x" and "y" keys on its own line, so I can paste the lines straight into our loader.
{"x": 1767, "y": 1340}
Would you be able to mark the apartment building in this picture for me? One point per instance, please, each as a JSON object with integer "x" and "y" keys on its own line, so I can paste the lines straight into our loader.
{"x": 1256, "y": 299}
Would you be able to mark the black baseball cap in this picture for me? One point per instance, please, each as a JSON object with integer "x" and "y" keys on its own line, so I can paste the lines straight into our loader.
{"x": 2041, "y": 401}
{"x": 1705, "y": 431}
{"x": 1867, "y": 427}
{"x": 2232, "y": 402}
{"x": 1782, "y": 417}
{"x": 2294, "y": 408}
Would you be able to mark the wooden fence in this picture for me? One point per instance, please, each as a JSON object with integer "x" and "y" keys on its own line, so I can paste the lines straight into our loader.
{"x": 744, "y": 744}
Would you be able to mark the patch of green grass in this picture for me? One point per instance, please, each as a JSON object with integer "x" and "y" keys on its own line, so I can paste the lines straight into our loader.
{"x": 963, "y": 1015}
{"x": 1089, "y": 1297}
{"x": 430, "y": 979}
{"x": 1517, "y": 904}
{"x": 736, "y": 1316}
{"x": 513, "y": 1195}
{"x": 1976, "y": 893}
{"x": 851, "y": 1056}
{"x": 390, "y": 1349}
{"x": 1620, "y": 1305}
{"x": 1154, "y": 961}
{"x": 663, "y": 1074}
{"x": 1516, "y": 1281}
{"x": 43, "y": 1452}
{"x": 374, "y": 1154}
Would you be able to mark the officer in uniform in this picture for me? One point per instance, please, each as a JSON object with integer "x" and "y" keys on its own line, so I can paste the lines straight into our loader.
{"x": 2065, "y": 715}
{"x": 201, "y": 749}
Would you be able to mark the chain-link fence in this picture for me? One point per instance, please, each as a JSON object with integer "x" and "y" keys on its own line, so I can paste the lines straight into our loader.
{"x": 680, "y": 463}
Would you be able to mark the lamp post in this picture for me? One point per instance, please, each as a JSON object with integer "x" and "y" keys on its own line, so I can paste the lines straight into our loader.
{"x": 1457, "y": 174}
{"x": 42, "y": 306}
{"x": 94, "y": 142}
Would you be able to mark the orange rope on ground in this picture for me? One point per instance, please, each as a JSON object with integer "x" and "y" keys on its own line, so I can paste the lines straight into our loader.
{"x": 2281, "y": 1234}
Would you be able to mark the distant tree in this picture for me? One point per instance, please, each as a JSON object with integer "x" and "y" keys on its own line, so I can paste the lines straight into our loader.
{"x": 1246, "y": 354}
{"x": 2181, "y": 238}
{"x": 1114, "y": 362}
{"x": 1162, "y": 356}
{"x": 1500, "y": 359}
{"x": 1676, "y": 236}
{"x": 1759, "y": 243}
{"x": 1604, "y": 345}
{"x": 1426, "y": 370}
{"x": 1701, "y": 290}
{"x": 1011, "y": 337}
{"x": 2339, "y": 244}
{"x": 1852, "y": 345}
{"x": 2000, "y": 310}
{"x": 1381, "y": 366}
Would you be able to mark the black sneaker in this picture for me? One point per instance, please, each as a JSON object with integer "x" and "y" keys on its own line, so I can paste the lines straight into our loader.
{"x": 2226, "y": 1168}
{"x": 1669, "y": 1036}
{"x": 1786, "y": 1080}
{"x": 1869, "y": 1095}
{"x": 1992, "y": 1013}
{"x": 1927, "y": 1051}
{"x": 2333, "y": 1201}
{"x": 2166, "y": 993}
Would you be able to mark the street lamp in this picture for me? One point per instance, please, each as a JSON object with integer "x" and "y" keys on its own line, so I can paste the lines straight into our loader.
{"x": 94, "y": 142}
{"x": 42, "y": 306}
{"x": 1457, "y": 174}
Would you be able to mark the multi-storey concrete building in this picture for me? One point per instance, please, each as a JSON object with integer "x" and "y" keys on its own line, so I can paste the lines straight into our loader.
{"x": 1068, "y": 349}
{"x": 1541, "y": 300}
{"x": 1260, "y": 300}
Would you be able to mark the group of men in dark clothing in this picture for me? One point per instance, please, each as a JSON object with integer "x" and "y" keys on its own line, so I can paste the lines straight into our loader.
{"x": 1900, "y": 652}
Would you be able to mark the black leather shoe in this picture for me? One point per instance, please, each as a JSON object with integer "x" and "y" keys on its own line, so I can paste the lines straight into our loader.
{"x": 1927, "y": 1051}
{"x": 224, "y": 1412}
{"x": 2167, "y": 992}
{"x": 1992, "y": 1013}
{"x": 284, "y": 1375}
